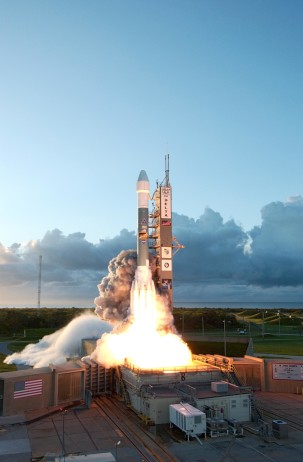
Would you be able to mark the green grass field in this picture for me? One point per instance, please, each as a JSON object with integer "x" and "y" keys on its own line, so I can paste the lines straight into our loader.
{"x": 270, "y": 334}
{"x": 232, "y": 349}
{"x": 6, "y": 367}
{"x": 18, "y": 343}
{"x": 270, "y": 344}
{"x": 31, "y": 336}
{"x": 282, "y": 345}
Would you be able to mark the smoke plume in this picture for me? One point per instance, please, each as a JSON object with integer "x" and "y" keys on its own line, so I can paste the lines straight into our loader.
{"x": 113, "y": 305}
{"x": 114, "y": 299}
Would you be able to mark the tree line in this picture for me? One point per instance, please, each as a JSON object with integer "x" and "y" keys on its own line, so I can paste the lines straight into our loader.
{"x": 15, "y": 320}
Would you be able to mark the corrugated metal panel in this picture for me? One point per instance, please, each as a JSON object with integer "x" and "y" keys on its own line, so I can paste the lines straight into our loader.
{"x": 69, "y": 387}
{"x": 98, "y": 379}
{"x": 40, "y": 371}
{"x": 1, "y": 396}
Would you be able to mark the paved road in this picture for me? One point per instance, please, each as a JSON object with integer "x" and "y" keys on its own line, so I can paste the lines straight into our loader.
{"x": 267, "y": 355}
{"x": 4, "y": 349}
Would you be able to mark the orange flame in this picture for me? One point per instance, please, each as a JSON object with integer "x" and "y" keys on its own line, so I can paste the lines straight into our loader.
{"x": 145, "y": 342}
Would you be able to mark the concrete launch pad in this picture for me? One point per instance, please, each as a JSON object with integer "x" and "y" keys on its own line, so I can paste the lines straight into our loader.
{"x": 151, "y": 392}
{"x": 88, "y": 430}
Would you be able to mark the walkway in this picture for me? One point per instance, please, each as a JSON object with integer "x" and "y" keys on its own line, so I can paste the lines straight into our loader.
{"x": 3, "y": 348}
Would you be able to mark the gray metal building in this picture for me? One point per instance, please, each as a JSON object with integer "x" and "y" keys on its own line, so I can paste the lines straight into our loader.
{"x": 33, "y": 389}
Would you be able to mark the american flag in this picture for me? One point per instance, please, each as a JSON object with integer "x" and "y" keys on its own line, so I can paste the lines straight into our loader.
{"x": 27, "y": 388}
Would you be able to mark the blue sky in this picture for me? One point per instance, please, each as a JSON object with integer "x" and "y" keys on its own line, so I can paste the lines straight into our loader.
{"x": 94, "y": 91}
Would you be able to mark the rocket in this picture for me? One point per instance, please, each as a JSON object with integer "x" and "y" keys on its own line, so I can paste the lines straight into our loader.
{"x": 142, "y": 233}
{"x": 143, "y": 295}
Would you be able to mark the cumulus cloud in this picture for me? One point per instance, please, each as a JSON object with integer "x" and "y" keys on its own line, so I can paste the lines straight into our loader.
{"x": 220, "y": 260}
{"x": 71, "y": 268}
{"x": 213, "y": 249}
{"x": 277, "y": 245}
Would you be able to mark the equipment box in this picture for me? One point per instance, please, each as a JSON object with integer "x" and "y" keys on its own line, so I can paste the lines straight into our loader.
{"x": 188, "y": 418}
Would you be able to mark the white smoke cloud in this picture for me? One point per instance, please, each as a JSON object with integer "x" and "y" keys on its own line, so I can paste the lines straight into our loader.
{"x": 62, "y": 344}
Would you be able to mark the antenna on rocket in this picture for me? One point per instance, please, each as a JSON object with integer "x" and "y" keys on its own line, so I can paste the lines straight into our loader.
{"x": 167, "y": 170}
{"x": 39, "y": 280}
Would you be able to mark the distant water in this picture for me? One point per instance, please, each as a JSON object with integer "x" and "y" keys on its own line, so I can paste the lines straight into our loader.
{"x": 185, "y": 304}
{"x": 49, "y": 306}
{"x": 246, "y": 305}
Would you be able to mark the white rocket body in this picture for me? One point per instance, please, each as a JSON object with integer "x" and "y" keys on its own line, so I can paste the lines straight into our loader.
{"x": 142, "y": 233}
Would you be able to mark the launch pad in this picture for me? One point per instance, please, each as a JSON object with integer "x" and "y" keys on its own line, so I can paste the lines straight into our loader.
{"x": 204, "y": 386}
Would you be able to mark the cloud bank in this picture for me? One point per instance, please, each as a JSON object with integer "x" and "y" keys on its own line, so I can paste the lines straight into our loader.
{"x": 220, "y": 262}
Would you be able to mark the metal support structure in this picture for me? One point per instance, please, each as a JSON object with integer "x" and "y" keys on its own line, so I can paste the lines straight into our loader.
{"x": 162, "y": 243}
{"x": 39, "y": 281}
{"x": 64, "y": 411}
{"x": 224, "y": 337}
{"x": 116, "y": 449}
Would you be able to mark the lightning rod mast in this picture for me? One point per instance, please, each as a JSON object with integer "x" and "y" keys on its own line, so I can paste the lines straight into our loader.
{"x": 39, "y": 280}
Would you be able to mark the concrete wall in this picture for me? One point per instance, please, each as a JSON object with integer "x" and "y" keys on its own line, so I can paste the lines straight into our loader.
{"x": 158, "y": 409}
{"x": 228, "y": 407}
{"x": 277, "y": 375}
{"x": 287, "y": 370}
{"x": 251, "y": 372}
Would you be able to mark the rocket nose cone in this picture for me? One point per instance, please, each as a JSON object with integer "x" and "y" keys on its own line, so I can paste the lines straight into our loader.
{"x": 143, "y": 176}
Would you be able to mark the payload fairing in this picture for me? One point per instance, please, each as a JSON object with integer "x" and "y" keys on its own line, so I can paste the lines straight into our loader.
{"x": 143, "y": 212}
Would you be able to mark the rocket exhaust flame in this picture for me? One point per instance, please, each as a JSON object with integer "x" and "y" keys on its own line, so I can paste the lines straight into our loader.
{"x": 148, "y": 340}
{"x": 143, "y": 299}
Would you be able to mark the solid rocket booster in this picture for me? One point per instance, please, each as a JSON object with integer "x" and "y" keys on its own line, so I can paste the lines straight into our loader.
{"x": 143, "y": 293}
{"x": 142, "y": 235}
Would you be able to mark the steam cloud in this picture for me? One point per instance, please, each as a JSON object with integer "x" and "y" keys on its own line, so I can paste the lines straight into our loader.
{"x": 66, "y": 342}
